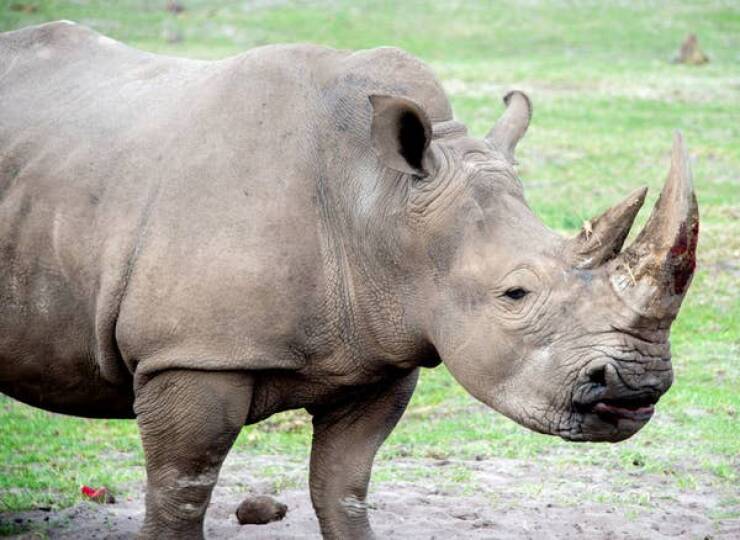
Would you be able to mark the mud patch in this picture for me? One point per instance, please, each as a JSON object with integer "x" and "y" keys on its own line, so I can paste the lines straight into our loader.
{"x": 427, "y": 498}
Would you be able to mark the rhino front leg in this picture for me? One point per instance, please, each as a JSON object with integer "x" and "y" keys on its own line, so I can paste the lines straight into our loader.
{"x": 345, "y": 441}
{"x": 188, "y": 422}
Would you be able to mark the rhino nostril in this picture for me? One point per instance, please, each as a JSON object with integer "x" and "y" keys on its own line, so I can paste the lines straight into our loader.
{"x": 598, "y": 376}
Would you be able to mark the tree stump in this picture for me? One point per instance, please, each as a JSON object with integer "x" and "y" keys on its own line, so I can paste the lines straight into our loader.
{"x": 690, "y": 53}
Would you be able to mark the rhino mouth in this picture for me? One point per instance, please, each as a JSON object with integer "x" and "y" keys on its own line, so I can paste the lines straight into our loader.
{"x": 637, "y": 408}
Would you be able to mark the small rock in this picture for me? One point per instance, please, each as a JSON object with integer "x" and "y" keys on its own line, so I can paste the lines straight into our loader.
{"x": 260, "y": 510}
{"x": 465, "y": 516}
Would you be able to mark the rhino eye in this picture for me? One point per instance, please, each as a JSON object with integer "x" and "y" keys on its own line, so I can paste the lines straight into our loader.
{"x": 516, "y": 293}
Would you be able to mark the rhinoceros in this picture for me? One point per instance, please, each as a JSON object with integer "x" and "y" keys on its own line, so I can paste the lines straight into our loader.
{"x": 202, "y": 244}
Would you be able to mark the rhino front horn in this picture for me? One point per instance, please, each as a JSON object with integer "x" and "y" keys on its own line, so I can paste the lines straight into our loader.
{"x": 512, "y": 125}
{"x": 653, "y": 274}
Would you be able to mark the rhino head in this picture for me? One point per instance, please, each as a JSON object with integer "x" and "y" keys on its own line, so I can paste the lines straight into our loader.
{"x": 566, "y": 336}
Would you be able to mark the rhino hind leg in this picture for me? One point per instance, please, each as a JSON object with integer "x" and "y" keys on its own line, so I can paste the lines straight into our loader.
{"x": 345, "y": 442}
{"x": 188, "y": 421}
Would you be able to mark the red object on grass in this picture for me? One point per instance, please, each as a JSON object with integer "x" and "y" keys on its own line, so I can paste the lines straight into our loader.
{"x": 99, "y": 495}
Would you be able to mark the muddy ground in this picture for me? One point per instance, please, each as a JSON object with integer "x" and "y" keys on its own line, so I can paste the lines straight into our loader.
{"x": 497, "y": 498}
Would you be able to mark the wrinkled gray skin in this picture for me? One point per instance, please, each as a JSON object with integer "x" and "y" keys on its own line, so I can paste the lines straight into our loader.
{"x": 200, "y": 245}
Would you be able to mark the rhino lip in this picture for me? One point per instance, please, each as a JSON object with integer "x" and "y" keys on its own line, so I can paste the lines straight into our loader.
{"x": 638, "y": 409}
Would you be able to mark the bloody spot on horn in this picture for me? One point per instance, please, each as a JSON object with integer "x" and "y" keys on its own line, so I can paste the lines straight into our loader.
{"x": 682, "y": 257}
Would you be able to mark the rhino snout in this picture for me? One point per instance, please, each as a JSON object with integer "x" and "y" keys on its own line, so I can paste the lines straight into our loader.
{"x": 616, "y": 398}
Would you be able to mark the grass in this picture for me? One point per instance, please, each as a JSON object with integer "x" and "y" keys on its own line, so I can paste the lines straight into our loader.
{"x": 606, "y": 102}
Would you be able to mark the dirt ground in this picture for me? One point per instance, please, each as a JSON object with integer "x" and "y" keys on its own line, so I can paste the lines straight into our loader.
{"x": 443, "y": 499}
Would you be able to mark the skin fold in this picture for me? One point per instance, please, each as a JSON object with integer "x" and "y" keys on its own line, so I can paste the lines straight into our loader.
{"x": 199, "y": 245}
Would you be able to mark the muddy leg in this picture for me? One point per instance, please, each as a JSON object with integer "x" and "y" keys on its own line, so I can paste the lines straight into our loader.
{"x": 188, "y": 422}
{"x": 345, "y": 441}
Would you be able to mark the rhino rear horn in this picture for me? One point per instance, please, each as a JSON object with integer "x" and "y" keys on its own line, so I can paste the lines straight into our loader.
{"x": 512, "y": 125}
{"x": 601, "y": 238}
{"x": 653, "y": 274}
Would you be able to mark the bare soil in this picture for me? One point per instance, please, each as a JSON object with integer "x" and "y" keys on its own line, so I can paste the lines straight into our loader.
{"x": 496, "y": 498}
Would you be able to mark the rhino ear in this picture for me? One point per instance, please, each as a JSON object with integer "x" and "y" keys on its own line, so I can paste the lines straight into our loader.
{"x": 400, "y": 132}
